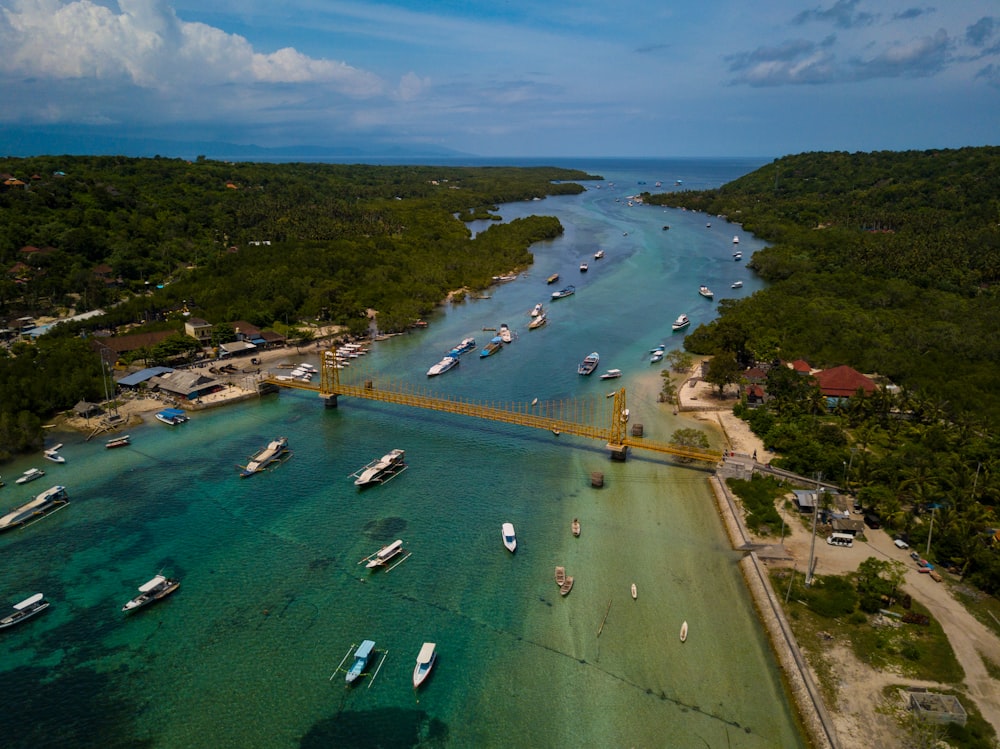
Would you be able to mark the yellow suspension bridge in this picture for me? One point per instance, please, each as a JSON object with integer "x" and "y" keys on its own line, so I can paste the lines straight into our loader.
{"x": 597, "y": 418}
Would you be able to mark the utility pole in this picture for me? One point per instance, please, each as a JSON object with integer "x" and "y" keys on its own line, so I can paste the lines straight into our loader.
{"x": 930, "y": 533}
{"x": 812, "y": 546}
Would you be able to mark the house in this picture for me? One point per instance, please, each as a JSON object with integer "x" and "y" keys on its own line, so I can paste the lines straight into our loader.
{"x": 801, "y": 366}
{"x": 246, "y": 331}
{"x": 236, "y": 348}
{"x": 125, "y": 344}
{"x": 143, "y": 375}
{"x": 806, "y": 499}
{"x": 199, "y": 329}
{"x": 187, "y": 385}
{"x": 756, "y": 395}
{"x": 847, "y": 525}
{"x": 86, "y": 409}
{"x": 843, "y": 382}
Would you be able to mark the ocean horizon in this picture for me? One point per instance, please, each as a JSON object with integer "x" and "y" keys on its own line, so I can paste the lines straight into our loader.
{"x": 248, "y": 652}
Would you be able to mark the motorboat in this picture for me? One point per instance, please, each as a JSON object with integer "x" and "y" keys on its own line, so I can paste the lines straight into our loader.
{"x": 495, "y": 344}
{"x": 386, "y": 554}
{"x": 599, "y": 255}
{"x": 505, "y": 333}
{"x": 118, "y": 442}
{"x": 560, "y": 576}
{"x": 635, "y": 592}
{"x": 537, "y": 322}
{"x": 381, "y": 470}
{"x": 684, "y": 631}
{"x": 464, "y": 347}
{"x": 275, "y": 452}
{"x": 567, "y": 586}
{"x": 45, "y": 503}
{"x": 706, "y": 292}
{"x": 589, "y": 363}
{"x": 681, "y": 322}
{"x": 656, "y": 354}
{"x": 443, "y": 366}
{"x": 575, "y": 527}
{"x": 736, "y": 239}
{"x": 552, "y": 279}
{"x": 584, "y": 267}
{"x": 568, "y": 291}
{"x": 509, "y": 538}
{"x": 30, "y": 475}
{"x": 361, "y": 656}
{"x": 26, "y": 609}
{"x": 737, "y": 285}
{"x": 425, "y": 662}
{"x": 538, "y": 310}
{"x": 171, "y": 416}
{"x": 611, "y": 374}
{"x": 53, "y": 454}
{"x": 155, "y": 590}
{"x": 505, "y": 278}
{"x": 737, "y": 256}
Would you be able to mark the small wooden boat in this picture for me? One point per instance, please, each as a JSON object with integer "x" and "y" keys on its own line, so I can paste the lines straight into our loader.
{"x": 118, "y": 442}
{"x": 425, "y": 661}
{"x": 53, "y": 454}
{"x": 576, "y": 527}
{"x": 552, "y": 279}
{"x": 635, "y": 592}
{"x": 567, "y": 586}
{"x": 684, "y": 631}
{"x": 560, "y": 576}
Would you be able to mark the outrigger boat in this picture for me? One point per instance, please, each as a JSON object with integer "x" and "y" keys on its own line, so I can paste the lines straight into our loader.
{"x": 425, "y": 662}
{"x": 25, "y": 610}
{"x": 53, "y": 454}
{"x": 44, "y": 504}
{"x": 381, "y": 470}
{"x": 386, "y": 554}
{"x": 275, "y": 452}
{"x": 118, "y": 441}
{"x": 361, "y": 656}
{"x": 155, "y": 590}
{"x": 30, "y": 475}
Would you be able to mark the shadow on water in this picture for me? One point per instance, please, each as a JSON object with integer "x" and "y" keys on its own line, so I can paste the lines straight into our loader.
{"x": 384, "y": 527}
{"x": 385, "y": 728}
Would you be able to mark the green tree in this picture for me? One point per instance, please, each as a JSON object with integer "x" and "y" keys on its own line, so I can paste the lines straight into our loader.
{"x": 723, "y": 370}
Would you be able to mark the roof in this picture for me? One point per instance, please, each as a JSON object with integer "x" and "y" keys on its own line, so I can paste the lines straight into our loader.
{"x": 843, "y": 382}
{"x": 237, "y": 347}
{"x": 142, "y": 375}
{"x": 426, "y": 652}
{"x": 123, "y": 343}
{"x": 801, "y": 365}
{"x": 364, "y": 649}
{"x": 82, "y": 408}
{"x": 184, "y": 383}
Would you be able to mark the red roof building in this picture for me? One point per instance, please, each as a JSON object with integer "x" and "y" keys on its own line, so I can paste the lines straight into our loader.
{"x": 843, "y": 382}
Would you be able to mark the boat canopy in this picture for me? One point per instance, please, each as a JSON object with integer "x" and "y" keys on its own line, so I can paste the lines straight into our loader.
{"x": 364, "y": 649}
{"x": 153, "y": 584}
{"x": 426, "y": 653}
{"x": 388, "y": 551}
{"x": 35, "y": 599}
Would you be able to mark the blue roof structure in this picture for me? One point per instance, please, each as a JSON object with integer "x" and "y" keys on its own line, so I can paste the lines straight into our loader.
{"x": 137, "y": 378}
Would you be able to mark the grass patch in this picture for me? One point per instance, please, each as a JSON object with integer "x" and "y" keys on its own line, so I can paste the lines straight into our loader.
{"x": 758, "y": 496}
{"x": 984, "y": 607}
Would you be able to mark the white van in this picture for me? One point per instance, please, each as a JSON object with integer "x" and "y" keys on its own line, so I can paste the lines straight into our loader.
{"x": 840, "y": 539}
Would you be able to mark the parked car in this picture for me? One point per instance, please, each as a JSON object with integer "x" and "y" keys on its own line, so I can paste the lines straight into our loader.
{"x": 901, "y": 544}
{"x": 914, "y": 556}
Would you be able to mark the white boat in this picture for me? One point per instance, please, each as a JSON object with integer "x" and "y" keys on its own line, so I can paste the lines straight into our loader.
{"x": 361, "y": 656}
{"x": 50, "y": 500}
{"x": 599, "y": 254}
{"x": 611, "y": 374}
{"x": 563, "y": 293}
{"x": 276, "y": 451}
{"x": 635, "y": 592}
{"x": 681, "y": 322}
{"x": 584, "y": 267}
{"x": 25, "y": 610}
{"x": 381, "y": 470}
{"x": 122, "y": 441}
{"x": 589, "y": 363}
{"x": 171, "y": 416}
{"x": 656, "y": 354}
{"x": 384, "y": 555}
{"x": 509, "y": 538}
{"x": 575, "y": 527}
{"x": 465, "y": 346}
{"x": 706, "y": 292}
{"x": 425, "y": 662}
{"x": 537, "y": 310}
{"x": 537, "y": 322}
{"x": 737, "y": 256}
{"x": 737, "y": 285}
{"x": 155, "y": 590}
{"x": 443, "y": 366}
{"x": 505, "y": 333}
{"x": 736, "y": 239}
{"x": 53, "y": 454}
{"x": 30, "y": 475}
{"x": 684, "y": 631}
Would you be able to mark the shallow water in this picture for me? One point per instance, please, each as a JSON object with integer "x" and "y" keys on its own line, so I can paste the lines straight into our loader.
{"x": 272, "y": 596}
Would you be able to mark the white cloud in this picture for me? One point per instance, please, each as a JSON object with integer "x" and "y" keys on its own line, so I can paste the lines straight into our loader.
{"x": 412, "y": 86}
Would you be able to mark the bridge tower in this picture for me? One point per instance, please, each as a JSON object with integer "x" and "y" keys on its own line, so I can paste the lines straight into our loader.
{"x": 619, "y": 424}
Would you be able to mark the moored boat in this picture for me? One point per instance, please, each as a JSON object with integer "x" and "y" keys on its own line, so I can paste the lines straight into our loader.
{"x": 552, "y": 279}
{"x": 45, "y": 503}
{"x": 706, "y": 292}
{"x": 736, "y": 239}
{"x": 495, "y": 344}
{"x": 30, "y": 475}
{"x": 361, "y": 656}
{"x": 538, "y": 310}
{"x": 443, "y": 366}
{"x": 53, "y": 454}
{"x": 171, "y": 416}
{"x": 567, "y": 586}
{"x": 681, "y": 322}
{"x": 509, "y": 537}
{"x": 560, "y": 576}
{"x": 562, "y": 293}
{"x": 589, "y": 363}
{"x": 386, "y": 554}
{"x": 584, "y": 267}
{"x": 737, "y": 285}
{"x": 381, "y": 470}
{"x": 464, "y": 347}
{"x": 155, "y": 590}
{"x": 26, "y": 609}
{"x": 425, "y": 662}
{"x": 599, "y": 254}
{"x": 275, "y": 451}
{"x": 635, "y": 592}
{"x": 684, "y": 631}
{"x": 611, "y": 374}
{"x": 737, "y": 256}
{"x": 505, "y": 334}
{"x": 575, "y": 527}
{"x": 118, "y": 441}
{"x": 537, "y": 322}
{"x": 656, "y": 354}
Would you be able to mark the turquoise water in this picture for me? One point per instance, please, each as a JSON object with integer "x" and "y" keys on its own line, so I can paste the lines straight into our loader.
{"x": 272, "y": 596}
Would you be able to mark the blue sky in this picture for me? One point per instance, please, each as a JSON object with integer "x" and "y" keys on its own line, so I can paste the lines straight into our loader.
{"x": 511, "y": 78}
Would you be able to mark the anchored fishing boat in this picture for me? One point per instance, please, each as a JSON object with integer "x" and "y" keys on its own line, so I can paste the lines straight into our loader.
{"x": 275, "y": 452}
{"x": 44, "y": 504}
{"x": 155, "y": 590}
{"x": 425, "y": 662}
{"x": 25, "y": 610}
{"x": 381, "y": 470}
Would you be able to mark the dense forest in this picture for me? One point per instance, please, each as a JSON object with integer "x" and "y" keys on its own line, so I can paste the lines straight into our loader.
{"x": 889, "y": 263}
{"x": 266, "y": 243}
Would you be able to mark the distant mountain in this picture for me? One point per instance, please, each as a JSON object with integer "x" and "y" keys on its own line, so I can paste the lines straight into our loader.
{"x": 17, "y": 141}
